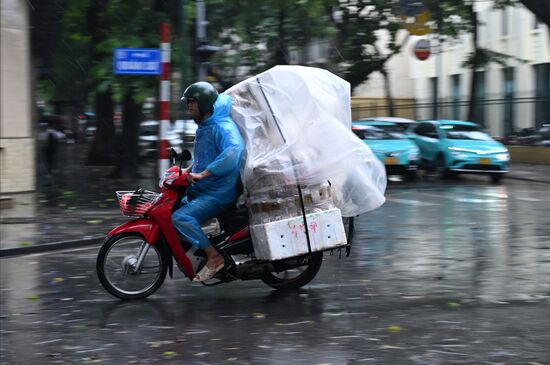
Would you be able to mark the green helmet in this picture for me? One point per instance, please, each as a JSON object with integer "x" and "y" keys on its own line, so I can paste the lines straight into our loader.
{"x": 204, "y": 93}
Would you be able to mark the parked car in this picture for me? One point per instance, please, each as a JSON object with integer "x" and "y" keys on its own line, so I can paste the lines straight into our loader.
{"x": 187, "y": 128}
{"x": 391, "y": 145}
{"x": 149, "y": 136}
{"x": 530, "y": 136}
{"x": 87, "y": 123}
{"x": 402, "y": 123}
{"x": 453, "y": 147}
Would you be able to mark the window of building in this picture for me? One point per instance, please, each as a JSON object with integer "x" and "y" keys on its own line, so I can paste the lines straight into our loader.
{"x": 455, "y": 95}
{"x": 509, "y": 90}
{"x": 504, "y": 23}
{"x": 542, "y": 94}
{"x": 537, "y": 23}
{"x": 433, "y": 84}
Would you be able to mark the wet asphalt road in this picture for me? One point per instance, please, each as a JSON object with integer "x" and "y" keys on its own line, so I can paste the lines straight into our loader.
{"x": 443, "y": 273}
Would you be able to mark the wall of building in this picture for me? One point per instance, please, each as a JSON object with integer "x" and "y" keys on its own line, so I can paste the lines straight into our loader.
{"x": 16, "y": 140}
{"x": 511, "y": 31}
{"x": 401, "y": 82}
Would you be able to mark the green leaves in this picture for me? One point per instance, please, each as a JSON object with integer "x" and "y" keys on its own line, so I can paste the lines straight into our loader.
{"x": 484, "y": 56}
{"x": 261, "y": 34}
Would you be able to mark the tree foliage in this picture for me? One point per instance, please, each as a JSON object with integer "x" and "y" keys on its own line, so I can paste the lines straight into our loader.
{"x": 92, "y": 32}
{"x": 255, "y": 36}
{"x": 83, "y": 68}
{"x": 362, "y": 26}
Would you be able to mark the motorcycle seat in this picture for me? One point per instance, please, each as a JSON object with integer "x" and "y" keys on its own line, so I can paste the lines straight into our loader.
{"x": 234, "y": 218}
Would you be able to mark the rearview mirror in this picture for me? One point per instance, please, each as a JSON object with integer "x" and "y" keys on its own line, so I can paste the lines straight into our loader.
{"x": 173, "y": 155}
{"x": 186, "y": 155}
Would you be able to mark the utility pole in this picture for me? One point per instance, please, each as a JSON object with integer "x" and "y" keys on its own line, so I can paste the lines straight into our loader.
{"x": 164, "y": 107}
{"x": 183, "y": 45}
{"x": 201, "y": 37}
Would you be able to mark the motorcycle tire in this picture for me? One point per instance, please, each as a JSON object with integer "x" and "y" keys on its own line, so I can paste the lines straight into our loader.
{"x": 115, "y": 271}
{"x": 312, "y": 267}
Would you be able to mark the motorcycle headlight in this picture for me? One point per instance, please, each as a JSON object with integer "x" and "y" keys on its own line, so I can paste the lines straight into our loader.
{"x": 503, "y": 157}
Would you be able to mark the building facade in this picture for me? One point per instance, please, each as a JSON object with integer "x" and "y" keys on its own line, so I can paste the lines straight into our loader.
{"x": 17, "y": 153}
{"x": 508, "y": 97}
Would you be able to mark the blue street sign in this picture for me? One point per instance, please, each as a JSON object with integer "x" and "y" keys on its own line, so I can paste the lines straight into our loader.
{"x": 136, "y": 61}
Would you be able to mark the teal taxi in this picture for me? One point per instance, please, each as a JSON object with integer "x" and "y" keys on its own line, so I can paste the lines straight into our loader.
{"x": 390, "y": 144}
{"x": 455, "y": 147}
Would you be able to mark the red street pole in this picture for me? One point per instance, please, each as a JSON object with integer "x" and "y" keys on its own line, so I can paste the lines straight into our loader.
{"x": 164, "y": 124}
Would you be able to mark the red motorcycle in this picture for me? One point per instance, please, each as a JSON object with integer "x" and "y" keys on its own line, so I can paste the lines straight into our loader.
{"x": 136, "y": 256}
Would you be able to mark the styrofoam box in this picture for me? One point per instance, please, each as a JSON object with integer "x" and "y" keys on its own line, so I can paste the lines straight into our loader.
{"x": 287, "y": 237}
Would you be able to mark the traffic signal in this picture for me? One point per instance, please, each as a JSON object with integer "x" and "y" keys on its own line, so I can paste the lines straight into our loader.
{"x": 205, "y": 51}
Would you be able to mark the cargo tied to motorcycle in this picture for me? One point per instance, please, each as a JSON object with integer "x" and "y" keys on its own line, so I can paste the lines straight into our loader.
{"x": 303, "y": 163}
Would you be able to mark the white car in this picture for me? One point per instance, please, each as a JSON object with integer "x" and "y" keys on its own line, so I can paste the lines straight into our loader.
{"x": 149, "y": 136}
{"x": 403, "y": 123}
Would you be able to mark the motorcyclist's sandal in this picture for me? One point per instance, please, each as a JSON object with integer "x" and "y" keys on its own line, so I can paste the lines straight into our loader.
{"x": 206, "y": 273}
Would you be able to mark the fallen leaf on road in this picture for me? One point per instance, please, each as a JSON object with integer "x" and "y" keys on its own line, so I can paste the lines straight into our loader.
{"x": 394, "y": 328}
{"x": 169, "y": 354}
{"x": 95, "y": 221}
{"x": 24, "y": 244}
{"x": 453, "y": 304}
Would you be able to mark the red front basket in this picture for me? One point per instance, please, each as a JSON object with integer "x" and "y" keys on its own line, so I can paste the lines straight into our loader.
{"x": 136, "y": 204}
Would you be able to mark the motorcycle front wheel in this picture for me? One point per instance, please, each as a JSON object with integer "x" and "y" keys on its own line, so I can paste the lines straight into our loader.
{"x": 120, "y": 272}
{"x": 296, "y": 277}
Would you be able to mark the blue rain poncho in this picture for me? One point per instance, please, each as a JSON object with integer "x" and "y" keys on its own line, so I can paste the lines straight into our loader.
{"x": 219, "y": 149}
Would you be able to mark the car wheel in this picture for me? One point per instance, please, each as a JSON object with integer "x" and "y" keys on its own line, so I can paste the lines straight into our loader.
{"x": 411, "y": 175}
{"x": 496, "y": 178}
{"x": 441, "y": 169}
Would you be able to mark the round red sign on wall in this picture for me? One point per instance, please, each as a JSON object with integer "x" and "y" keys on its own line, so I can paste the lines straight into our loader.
{"x": 422, "y": 49}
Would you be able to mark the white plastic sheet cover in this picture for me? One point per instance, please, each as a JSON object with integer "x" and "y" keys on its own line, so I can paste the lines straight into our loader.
{"x": 296, "y": 123}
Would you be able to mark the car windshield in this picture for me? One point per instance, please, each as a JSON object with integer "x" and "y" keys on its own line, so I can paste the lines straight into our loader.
{"x": 149, "y": 130}
{"x": 464, "y": 131}
{"x": 379, "y": 132}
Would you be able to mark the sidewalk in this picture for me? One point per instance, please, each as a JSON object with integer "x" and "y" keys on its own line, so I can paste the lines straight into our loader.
{"x": 76, "y": 206}
{"x": 79, "y": 206}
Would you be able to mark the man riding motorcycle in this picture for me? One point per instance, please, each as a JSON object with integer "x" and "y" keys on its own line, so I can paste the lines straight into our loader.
{"x": 215, "y": 170}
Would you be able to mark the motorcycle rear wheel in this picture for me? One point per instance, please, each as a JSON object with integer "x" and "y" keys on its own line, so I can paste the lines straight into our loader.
{"x": 116, "y": 268}
{"x": 297, "y": 277}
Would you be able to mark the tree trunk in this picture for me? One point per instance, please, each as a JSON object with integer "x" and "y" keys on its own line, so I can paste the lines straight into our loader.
{"x": 103, "y": 151}
{"x": 103, "y": 146}
{"x": 473, "y": 85}
{"x": 280, "y": 56}
{"x": 387, "y": 88}
{"x": 127, "y": 163}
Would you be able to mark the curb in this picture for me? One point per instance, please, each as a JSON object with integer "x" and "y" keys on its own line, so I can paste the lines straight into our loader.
{"x": 531, "y": 179}
{"x": 53, "y": 246}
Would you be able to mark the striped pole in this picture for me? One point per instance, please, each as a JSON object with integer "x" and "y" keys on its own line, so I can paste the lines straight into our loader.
{"x": 164, "y": 107}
